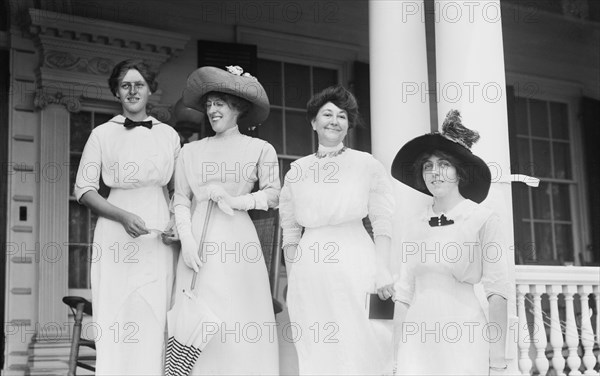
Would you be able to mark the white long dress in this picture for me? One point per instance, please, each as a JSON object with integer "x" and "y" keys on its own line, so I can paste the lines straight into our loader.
{"x": 131, "y": 279}
{"x": 335, "y": 265}
{"x": 233, "y": 280}
{"x": 446, "y": 329}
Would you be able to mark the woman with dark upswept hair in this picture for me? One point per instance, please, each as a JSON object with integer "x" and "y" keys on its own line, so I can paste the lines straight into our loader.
{"x": 332, "y": 263}
{"x": 133, "y": 268}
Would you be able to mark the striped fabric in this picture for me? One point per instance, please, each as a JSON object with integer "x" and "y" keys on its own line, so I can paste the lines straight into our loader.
{"x": 180, "y": 359}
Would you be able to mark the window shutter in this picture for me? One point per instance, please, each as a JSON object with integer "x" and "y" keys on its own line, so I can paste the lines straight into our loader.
{"x": 220, "y": 55}
{"x": 361, "y": 83}
{"x": 590, "y": 114}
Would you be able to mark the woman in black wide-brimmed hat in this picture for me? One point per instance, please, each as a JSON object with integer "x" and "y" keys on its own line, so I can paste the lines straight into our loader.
{"x": 232, "y": 275}
{"x": 440, "y": 325}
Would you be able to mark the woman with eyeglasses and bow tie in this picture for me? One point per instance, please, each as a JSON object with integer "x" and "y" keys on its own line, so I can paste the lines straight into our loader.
{"x": 441, "y": 327}
{"x": 132, "y": 269}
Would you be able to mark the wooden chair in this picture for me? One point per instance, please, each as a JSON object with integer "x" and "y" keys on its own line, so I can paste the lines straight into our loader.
{"x": 79, "y": 306}
{"x": 269, "y": 234}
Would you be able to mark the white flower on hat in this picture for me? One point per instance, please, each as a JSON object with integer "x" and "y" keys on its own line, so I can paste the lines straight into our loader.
{"x": 239, "y": 71}
{"x": 249, "y": 76}
{"x": 235, "y": 69}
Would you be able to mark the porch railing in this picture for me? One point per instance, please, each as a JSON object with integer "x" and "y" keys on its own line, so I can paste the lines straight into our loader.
{"x": 559, "y": 323}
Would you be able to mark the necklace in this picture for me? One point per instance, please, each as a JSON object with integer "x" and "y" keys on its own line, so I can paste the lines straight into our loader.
{"x": 331, "y": 154}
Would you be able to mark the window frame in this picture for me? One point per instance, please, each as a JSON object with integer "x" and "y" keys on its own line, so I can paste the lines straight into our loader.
{"x": 106, "y": 109}
{"x": 569, "y": 93}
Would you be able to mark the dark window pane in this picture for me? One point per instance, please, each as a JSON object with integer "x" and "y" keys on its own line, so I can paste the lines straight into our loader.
{"x": 269, "y": 75}
{"x": 298, "y": 134}
{"x": 78, "y": 223}
{"x": 541, "y": 201}
{"x": 521, "y": 116}
{"x": 543, "y": 242}
{"x": 296, "y": 85}
{"x": 560, "y": 122}
{"x": 323, "y": 78}
{"x": 541, "y": 158}
{"x": 561, "y": 202}
{"x": 284, "y": 165}
{"x": 272, "y": 130}
{"x": 100, "y": 118}
{"x": 521, "y": 200}
{"x": 562, "y": 160}
{"x": 78, "y": 267}
{"x": 81, "y": 126}
{"x": 525, "y": 165}
{"x": 74, "y": 165}
{"x": 564, "y": 242}
{"x": 524, "y": 246}
{"x": 539, "y": 118}
{"x": 93, "y": 222}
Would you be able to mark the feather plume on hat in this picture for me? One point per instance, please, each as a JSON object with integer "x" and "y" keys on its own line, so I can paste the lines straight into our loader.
{"x": 454, "y": 139}
{"x": 454, "y": 130}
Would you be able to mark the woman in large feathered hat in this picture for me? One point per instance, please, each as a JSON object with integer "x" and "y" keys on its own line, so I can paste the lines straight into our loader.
{"x": 454, "y": 244}
{"x": 232, "y": 276}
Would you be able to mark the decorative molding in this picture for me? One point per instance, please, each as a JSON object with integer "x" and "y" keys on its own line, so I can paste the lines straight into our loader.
{"x": 77, "y": 55}
{"x": 43, "y": 99}
{"x": 160, "y": 111}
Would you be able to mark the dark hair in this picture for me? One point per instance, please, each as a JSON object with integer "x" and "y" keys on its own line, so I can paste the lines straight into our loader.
{"x": 461, "y": 171}
{"x": 240, "y": 104}
{"x": 121, "y": 69}
{"x": 337, "y": 95}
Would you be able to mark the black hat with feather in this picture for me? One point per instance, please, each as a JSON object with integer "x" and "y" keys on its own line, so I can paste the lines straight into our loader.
{"x": 454, "y": 139}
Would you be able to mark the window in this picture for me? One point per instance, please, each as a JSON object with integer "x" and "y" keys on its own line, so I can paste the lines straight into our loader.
{"x": 289, "y": 86}
{"x": 81, "y": 219}
{"x": 544, "y": 216}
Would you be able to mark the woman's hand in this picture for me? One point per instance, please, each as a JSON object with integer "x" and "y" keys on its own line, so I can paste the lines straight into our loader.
{"x": 170, "y": 234}
{"x": 386, "y": 292}
{"x": 189, "y": 252}
{"x": 221, "y": 197}
{"x": 134, "y": 225}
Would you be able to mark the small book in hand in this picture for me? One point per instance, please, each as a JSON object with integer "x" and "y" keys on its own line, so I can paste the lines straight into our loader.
{"x": 378, "y": 309}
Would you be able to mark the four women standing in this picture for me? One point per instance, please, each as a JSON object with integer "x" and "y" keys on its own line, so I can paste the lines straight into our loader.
{"x": 332, "y": 262}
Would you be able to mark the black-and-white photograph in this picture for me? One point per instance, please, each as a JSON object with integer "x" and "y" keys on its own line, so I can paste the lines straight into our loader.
{"x": 300, "y": 187}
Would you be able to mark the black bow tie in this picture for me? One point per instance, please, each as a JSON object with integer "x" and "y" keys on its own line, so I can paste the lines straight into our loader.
{"x": 440, "y": 221}
{"x": 129, "y": 124}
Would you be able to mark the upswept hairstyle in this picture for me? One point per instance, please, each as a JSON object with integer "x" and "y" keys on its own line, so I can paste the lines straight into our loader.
{"x": 337, "y": 95}
{"x": 120, "y": 70}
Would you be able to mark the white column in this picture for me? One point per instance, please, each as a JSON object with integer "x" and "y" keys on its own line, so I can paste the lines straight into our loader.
{"x": 471, "y": 78}
{"x": 398, "y": 71}
{"x": 54, "y": 223}
{"x": 399, "y": 100}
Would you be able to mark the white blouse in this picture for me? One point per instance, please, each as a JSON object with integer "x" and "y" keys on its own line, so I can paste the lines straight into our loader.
{"x": 333, "y": 190}
{"x": 127, "y": 158}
